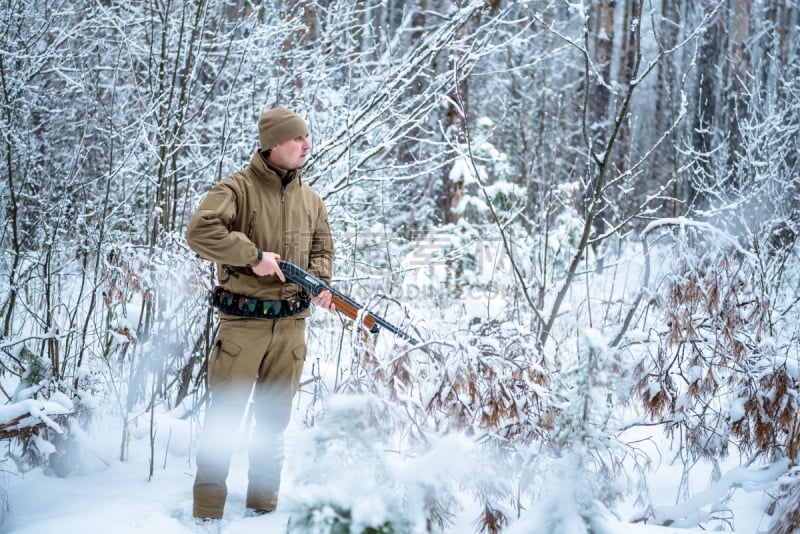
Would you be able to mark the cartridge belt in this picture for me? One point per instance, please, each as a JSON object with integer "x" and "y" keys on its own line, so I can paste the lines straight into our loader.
{"x": 245, "y": 306}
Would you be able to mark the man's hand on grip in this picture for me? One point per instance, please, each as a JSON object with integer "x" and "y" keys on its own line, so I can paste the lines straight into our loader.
{"x": 269, "y": 265}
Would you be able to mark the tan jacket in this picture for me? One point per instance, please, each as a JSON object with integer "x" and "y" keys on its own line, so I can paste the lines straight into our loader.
{"x": 251, "y": 210}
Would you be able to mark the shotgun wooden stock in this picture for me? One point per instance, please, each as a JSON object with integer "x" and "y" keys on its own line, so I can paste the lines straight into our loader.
{"x": 351, "y": 311}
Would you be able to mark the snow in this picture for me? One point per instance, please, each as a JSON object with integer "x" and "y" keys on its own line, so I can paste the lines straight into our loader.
{"x": 35, "y": 412}
{"x": 696, "y": 507}
{"x": 347, "y": 461}
{"x": 119, "y": 499}
{"x": 352, "y": 459}
{"x": 108, "y": 495}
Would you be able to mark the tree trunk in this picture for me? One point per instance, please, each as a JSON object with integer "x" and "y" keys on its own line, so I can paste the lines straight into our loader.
{"x": 455, "y": 122}
{"x": 603, "y": 25}
{"x": 600, "y": 113}
{"x": 738, "y": 76}
{"x": 667, "y": 102}
{"x": 705, "y": 103}
{"x": 627, "y": 60}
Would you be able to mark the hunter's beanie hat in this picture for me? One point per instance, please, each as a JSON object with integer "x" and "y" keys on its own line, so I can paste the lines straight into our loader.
{"x": 279, "y": 125}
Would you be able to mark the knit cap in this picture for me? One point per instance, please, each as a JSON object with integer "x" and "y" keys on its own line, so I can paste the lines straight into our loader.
{"x": 279, "y": 125}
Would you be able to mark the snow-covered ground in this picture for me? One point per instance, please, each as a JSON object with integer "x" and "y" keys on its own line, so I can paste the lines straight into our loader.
{"x": 106, "y": 495}
{"x": 113, "y": 497}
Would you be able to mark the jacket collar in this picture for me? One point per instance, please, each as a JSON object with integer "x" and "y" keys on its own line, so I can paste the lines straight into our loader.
{"x": 273, "y": 175}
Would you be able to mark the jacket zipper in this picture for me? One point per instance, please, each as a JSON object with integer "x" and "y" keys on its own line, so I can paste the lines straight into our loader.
{"x": 283, "y": 224}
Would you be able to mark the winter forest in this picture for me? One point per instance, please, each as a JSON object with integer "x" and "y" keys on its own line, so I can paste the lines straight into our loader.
{"x": 587, "y": 212}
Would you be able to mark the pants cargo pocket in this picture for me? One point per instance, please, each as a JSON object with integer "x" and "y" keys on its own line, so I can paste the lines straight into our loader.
{"x": 298, "y": 360}
{"x": 299, "y": 354}
{"x": 220, "y": 366}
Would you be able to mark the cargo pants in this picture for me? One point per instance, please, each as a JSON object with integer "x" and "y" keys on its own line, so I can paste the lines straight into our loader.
{"x": 267, "y": 354}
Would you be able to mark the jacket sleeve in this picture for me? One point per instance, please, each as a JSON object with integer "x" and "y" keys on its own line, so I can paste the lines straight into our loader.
{"x": 320, "y": 261}
{"x": 209, "y": 234}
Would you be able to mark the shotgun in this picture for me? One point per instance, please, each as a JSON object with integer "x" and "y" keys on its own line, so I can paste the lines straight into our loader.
{"x": 344, "y": 304}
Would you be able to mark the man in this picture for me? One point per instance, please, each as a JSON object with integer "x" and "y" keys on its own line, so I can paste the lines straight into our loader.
{"x": 247, "y": 223}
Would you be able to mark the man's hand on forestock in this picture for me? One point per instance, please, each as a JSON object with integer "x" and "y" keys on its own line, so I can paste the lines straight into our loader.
{"x": 324, "y": 300}
{"x": 269, "y": 265}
